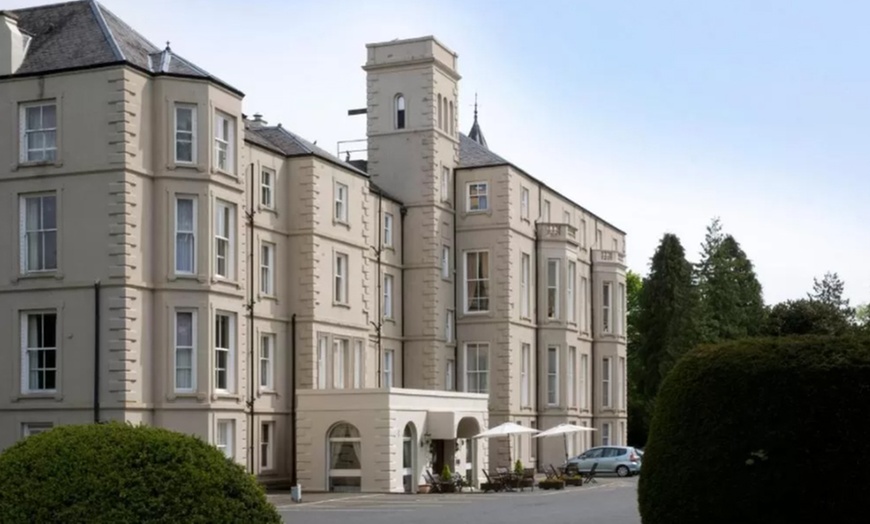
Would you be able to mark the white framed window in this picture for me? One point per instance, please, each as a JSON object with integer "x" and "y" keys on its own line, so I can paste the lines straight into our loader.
{"x": 525, "y": 375}
{"x": 606, "y": 382}
{"x": 445, "y": 262}
{"x": 606, "y": 307}
{"x": 476, "y": 281}
{"x": 224, "y": 440}
{"x": 546, "y": 211}
{"x": 620, "y": 383}
{"x": 478, "y": 199}
{"x": 185, "y": 351}
{"x": 224, "y": 142}
{"x": 450, "y": 375}
{"x": 358, "y": 363}
{"x": 553, "y": 376}
{"x": 598, "y": 241}
{"x": 449, "y": 336}
{"x": 584, "y": 381}
{"x": 606, "y": 431}
{"x": 224, "y": 352}
{"x": 570, "y": 298}
{"x": 38, "y": 131}
{"x": 615, "y": 244}
{"x": 267, "y": 268}
{"x": 267, "y": 446}
{"x": 224, "y": 239}
{"x": 582, "y": 232}
{"x": 553, "y": 288}
{"x": 185, "y": 134}
{"x": 38, "y": 237}
{"x": 389, "y": 367}
{"x": 584, "y": 307}
{"x": 451, "y": 119}
{"x": 439, "y": 116}
{"x": 399, "y": 108}
{"x": 340, "y": 213}
{"x": 388, "y": 229}
{"x": 339, "y": 273}
{"x": 267, "y": 361}
{"x": 620, "y": 315}
{"x": 267, "y": 188}
{"x": 28, "y": 429}
{"x": 566, "y": 217}
{"x": 445, "y": 184}
{"x": 344, "y": 458}
{"x": 185, "y": 234}
{"x": 388, "y": 296}
{"x": 571, "y": 374}
{"x": 525, "y": 285}
{"x": 340, "y": 358}
{"x": 476, "y": 367}
{"x": 321, "y": 362}
{"x": 39, "y": 352}
{"x": 524, "y": 203}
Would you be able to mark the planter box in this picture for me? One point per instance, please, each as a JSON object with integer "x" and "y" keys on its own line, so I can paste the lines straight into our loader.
{"x": 424, "y": 488}
{"x": 551, "y": 484}
{"x": 574, "y": 481}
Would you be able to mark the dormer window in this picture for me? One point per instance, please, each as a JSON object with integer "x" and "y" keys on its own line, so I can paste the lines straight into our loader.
{"x": 400, "y": 111}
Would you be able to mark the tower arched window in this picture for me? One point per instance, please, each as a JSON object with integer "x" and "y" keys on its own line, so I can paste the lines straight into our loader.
{"x": 444, "y": 116}
{"x": 450, "y": 120}
{"x": 438, "y": 115}
{"x": 400, "y": 111}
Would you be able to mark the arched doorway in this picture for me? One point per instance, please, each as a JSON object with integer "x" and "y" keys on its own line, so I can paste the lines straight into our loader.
{"x": 409, "y": 438}
{"x": 344, "y": 448}
{"x": 467, "y": 428}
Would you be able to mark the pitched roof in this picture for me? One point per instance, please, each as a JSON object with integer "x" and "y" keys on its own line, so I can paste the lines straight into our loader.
{"x": 82, "y": 34}
{"x": 280, "y": 140}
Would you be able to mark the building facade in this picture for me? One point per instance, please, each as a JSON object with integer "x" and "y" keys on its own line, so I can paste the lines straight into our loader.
{"x": 345, "y": 324}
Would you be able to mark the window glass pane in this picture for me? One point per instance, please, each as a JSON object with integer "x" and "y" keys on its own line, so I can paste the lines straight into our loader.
{"x": 184, "y": 329}
{"x": 33, "y": 117}
{"x": 49, "y": 116}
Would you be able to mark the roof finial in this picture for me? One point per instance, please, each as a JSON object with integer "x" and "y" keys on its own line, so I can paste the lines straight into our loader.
{"x": 167, "y": 46}
{"x": 475, "y": 106}
{"x": 476, "y": 134}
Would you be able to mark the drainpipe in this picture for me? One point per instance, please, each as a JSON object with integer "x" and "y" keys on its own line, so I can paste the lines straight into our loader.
{"x": 402, "y": 212}
{"x": 250, "y": 306}
{"x": 456, "y": 288}
{"x": 97, "y": 352}
{"x": 380, "y": 298}
{"x": 293, "y": 476}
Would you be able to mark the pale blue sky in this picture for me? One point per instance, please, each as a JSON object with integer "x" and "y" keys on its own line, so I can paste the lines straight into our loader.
{"x": 656, "y": 115}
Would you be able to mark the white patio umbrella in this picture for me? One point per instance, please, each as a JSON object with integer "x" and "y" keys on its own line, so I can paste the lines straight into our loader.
{"x": 506, "y": 430}
{"x": 564, "y": 430}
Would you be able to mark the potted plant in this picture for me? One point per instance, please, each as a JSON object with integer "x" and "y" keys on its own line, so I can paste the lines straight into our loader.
{"x": 554, "y": 483}
{"x": 573, "y": 480}
{"x": 447, "y": 485}
{"x": 424, "y": 488}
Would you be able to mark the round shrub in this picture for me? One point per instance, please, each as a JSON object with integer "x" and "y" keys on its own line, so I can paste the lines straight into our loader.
{"x": 761, "y": 431}
{"x": 118, "y": 473}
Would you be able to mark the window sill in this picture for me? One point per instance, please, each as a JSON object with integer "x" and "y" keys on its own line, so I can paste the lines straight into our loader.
{"x": 271, "y": 298}
{"x": 477, "y": 211}
{"x": 344, "y": 305}
{"x": 23, "y": 164}
{"x": 391, "y": 320}
{"x": 269, "y": 392}
{"x": 225, "y": 281}
{"x": 340, "y": 222}
{"x": 526, "y": 220}
{"x": 476, "y": 313}
{"x": 41, "y": 275}
{"x": 267, "y": 209}
{"x": 219, "y": 171}
{"x": 184, "y": 276}
{"x": 446, "y": 279}
{"x": 185, "y": 395}
{"x": 38, "y": 395}
{"x": 225, "y": 395}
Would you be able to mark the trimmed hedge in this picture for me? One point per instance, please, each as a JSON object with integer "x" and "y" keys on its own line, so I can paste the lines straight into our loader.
{"x": 761, "y": 431}
{"x": 118, "y": 473}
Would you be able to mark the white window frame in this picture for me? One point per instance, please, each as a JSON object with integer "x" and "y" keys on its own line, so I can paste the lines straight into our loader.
{"x": 607, "y": 382}
{"x": 599, "y": 239}
{"x": 224, "y": 141}
{"x": 606, "y": 307}
{"x": 571, "y": 299}
{"x": 268, "y": 345}
{"x": 480, "y": 192}
{"x": 566, "y": 217}
{"x": 225, "y": 437}
{"x": 183, "y": 135}
{"x": 389, "y": 367}
{"x": 584, "y": 305}
{"x": 340, "y": 195}
{"x": 180, "y": 347}
{"x": 584, "y": 381}
{"x": 445, "y": 262}
{"x": 388, "y": 296}
{"x": 322, "y": 344}
{"x": 41, "y": 231}
{"x": 183, "y": 233}
{"x": 571, "y": 378}
{"x": 339, "y": 280}
{"x": 615, "y": 244}
{"x": 552, "y": 376}
{"x": 340, "y": 360}
{"x": 358, "y": 364}
{"x": 388, "y": 229}
{"x": 28, "y": 347}
{"x": 400, "y": 112}
{"x": 267, "y": 268}
{"x": 28, "y": 429}
{"x": 449, "y": 375}
{"x": 224, "y": 237}
{"x": 553, "y": 290}
{"x": 476, "y": 369}
{"x": 48, "y": 154}
{"x": 229, "y": 369}
{"x": 450, "y": 327}
{"x": 267, "y": 188}
{"x": 525, "y": 285}
{"x": 445, "y": 184}
{"x": 483, "y": 298}
{"x": 267, "y": 446}
{"x": 524, "y": 203}
{"x": 606, "y": 431}
{"x": 525, "y": 375}
{"x": 545, "y": 213}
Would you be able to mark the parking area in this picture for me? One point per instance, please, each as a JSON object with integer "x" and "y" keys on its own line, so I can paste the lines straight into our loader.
{"x": 611, "y": 501}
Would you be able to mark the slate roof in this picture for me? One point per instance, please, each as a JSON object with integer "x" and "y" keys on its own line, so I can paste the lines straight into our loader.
{"x": 280, "y": 140}
{"x": 82, "y": 34}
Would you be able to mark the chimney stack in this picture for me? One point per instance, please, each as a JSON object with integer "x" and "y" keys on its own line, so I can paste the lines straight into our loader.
{"x": 13, "y": 43}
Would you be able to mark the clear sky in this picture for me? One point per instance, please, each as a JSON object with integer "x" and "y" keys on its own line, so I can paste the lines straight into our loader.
{"x": 655, "y": 115}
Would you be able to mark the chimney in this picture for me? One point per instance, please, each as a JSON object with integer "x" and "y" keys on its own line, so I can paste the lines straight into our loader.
{"x": 13, "y": 43}
{"x": 257, "y": 121}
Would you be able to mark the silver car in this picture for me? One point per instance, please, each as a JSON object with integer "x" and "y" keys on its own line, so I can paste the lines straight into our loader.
{"x": 622, "y": 460}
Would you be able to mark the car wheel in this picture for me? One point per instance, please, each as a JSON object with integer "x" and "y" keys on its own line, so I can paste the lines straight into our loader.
{"x": 623, "y": 471}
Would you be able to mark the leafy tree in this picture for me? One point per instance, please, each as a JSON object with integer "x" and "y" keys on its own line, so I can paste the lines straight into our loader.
{"x": 666, "y": 312}
{"x": 829, "y": 291}
{"x": 805, "y": 317}
{"x": 637, "y": 429}
{"x": 730, "y": 294}
{"x": 862, "y": 315}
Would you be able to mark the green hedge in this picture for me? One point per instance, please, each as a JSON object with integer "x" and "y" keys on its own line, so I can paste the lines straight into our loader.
{"x": 118, "y": 473}
{"x": 761, "y": 431}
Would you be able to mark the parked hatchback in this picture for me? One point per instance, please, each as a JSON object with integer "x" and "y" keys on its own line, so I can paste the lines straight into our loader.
{"x": 622, "y": 460}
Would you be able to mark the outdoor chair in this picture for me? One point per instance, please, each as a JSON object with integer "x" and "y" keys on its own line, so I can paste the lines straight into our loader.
{"x": 433, "y": 481}
{"x": 589, "y": 478}
{"x": 493, "y": 483}
{"x": 506, "y": 477}
{"x": 552, "y": 473}
{"x": 528, "y": 474}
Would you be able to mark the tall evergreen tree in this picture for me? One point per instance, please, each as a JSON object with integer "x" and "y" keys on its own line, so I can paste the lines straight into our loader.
{"x": 665, "y": 319}
{"x": 730, "y": 294}
{"x": 637, "y": 429}
{"x": 829, "y": 290}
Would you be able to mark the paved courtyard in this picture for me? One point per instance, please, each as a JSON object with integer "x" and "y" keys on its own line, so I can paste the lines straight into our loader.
{"x": 611, "y": 501}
